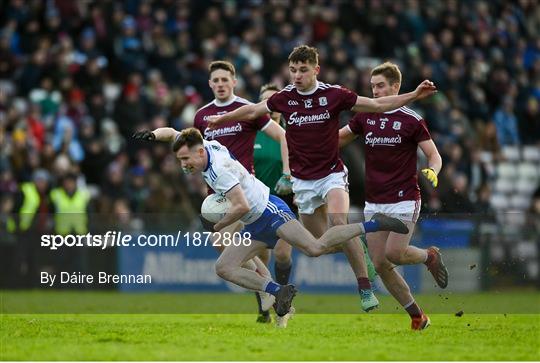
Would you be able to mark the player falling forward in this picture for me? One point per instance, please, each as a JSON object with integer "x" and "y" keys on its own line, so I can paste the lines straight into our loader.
{"x": 266, "y": 217}
{"x": 391, "y": 140}
{"x": 311, "y": 110}
{"x": 239, "y": 137}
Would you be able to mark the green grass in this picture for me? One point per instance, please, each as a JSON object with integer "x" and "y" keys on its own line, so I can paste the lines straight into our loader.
{"x": 70, "y": 301}
{"x": 383, "y": 335}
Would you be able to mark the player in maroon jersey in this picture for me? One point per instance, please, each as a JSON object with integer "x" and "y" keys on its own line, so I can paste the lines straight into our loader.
{"x": 311, "y": 110}
{"x": 239, "y": 136}
{"x": 391, "y": 140}
{"x": 236, "y": 135}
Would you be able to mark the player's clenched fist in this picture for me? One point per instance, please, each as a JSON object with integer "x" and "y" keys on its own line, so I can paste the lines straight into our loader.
{"x": 284, "y": 185}
{"x": 213, "y": 121}
{"x": 430, "y": 175}
{"x": 144, "y": 135}
{"x": 425, "y": 89}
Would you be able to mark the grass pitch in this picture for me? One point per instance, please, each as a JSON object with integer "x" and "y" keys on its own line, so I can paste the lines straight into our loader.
{"x": 482, "y": 333}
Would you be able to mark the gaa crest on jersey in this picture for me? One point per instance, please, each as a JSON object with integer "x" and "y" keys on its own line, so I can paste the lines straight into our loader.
{"x": 323, "y": 101}
{"x": 370, "y": 122}
{"x": 292, "y": 103}
{"x": 308, "y": 103}
{"x": 396, "y": 125}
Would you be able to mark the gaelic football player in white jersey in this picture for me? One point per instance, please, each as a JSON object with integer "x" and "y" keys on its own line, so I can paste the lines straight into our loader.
{"x": 266, "y": 217}
{"x": 391, "y": 141}
{"x": 311, "y": 110}
{"x": 239, "y": 137}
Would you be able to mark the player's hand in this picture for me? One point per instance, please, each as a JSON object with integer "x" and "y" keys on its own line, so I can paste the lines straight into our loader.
{"x": 213, "y": 121}
{"x": 284, "y": 185}
{"x": 425, "y": 89}
{"x": 431, "y": 175}
{"x": 144, "y": 135}
{"x": 207, "y": 225}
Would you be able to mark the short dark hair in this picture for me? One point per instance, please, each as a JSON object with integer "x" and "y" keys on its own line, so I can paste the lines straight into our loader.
{"x": 269, "y": 87}
{"x": 304, "y": 54}
{"x": 226, "y": 66}
{"x": 388, "y": 70}
{"x": 190, "y": 137}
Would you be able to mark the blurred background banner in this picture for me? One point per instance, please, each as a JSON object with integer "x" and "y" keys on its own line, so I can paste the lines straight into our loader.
{"x": 78, "y": 78}
{"x": 477, "y": 254}
{"x": 171, "y": 268}
{"x": 480, "y": 253}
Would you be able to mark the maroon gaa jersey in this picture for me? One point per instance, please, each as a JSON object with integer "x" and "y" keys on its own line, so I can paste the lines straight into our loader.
{"x": 391, "y": 141}
{"x": 313, "y": 127}
{"x": 237, "y": 136}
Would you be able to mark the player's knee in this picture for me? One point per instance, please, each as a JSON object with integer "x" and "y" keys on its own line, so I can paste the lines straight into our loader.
{"x": 223, "y": 270}
{"x": 315, "y": 250}
{"x": 395, "y": 256}
{"x": 282, "y": 253}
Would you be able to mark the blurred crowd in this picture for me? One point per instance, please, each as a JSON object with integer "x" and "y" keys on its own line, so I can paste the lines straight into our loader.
{"x": 77, "y": 78}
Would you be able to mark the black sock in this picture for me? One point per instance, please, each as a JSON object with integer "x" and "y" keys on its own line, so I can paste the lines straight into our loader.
{"x": 283, "y": 272}
{"x": 414, "y": 310}
{"x": 259, "y": 304}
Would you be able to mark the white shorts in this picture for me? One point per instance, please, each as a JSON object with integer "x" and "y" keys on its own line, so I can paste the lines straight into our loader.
{"x": 311, "y": 194}
{"x": 408, "y": 210}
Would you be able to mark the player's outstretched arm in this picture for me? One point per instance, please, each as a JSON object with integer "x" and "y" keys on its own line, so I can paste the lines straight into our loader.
{"x": 389, "y": 103}
{"x": 434, "y": 161}
{"x": 161, "y": 134}
{"x": 244, "y": 113}
{"x": 239, "y": 207}
{"x": 346, "y": 136}
{"x": 165, "y": 134}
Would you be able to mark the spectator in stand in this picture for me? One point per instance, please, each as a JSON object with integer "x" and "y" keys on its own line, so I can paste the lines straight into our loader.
{"x": 506, "y": 123}
{"x": 456, "y": 200}
{"x": 529, "y": 122}
{"x": 129, "y": 110}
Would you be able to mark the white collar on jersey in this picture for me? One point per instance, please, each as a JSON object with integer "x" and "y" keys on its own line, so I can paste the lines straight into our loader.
{"x": 226, "y": 103}
{"x": 392, "y": 111}
{"x": 310, "y": 92}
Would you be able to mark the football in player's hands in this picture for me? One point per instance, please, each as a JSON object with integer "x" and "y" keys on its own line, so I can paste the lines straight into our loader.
{"x": 144, "y": 135}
